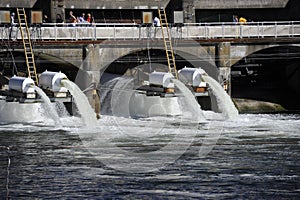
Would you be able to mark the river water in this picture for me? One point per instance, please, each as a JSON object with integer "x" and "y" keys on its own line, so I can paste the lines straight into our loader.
{"x": 251, "y": 157}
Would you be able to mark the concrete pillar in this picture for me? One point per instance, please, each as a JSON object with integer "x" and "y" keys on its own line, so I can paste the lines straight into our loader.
{"x": 189, "y": 11}
{"x": 223, "y": 61}
{"x": 57, "y": 7}
{"x": 89, "y": 75}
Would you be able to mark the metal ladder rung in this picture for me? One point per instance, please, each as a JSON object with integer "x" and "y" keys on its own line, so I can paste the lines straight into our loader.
{"x": 167, "y": 42}
{"x": 31, "y": 69}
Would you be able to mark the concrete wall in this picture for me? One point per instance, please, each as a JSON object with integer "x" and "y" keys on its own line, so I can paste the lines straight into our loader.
{"x": 146, "y": 4}
{"x": 116, "y": 4}
{"x": 230, "y": 4}
{"x": 17, "y": 3}
{"x": 70, "y": 55}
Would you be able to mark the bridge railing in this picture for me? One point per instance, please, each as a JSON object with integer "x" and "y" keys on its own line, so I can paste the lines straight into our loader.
{"x": 238, "y": 30}
{"x": 131, "y": 31}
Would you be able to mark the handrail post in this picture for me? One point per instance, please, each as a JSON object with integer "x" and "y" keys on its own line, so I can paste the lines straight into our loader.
{"x": 55, "y": 33}
{"x": 76, "y": 33}
{"x": 223, "y": 30}
{"x": 262, "y": 32}
{"x": 95, "y": 32}
{"x": 293, "y": 29}
{"x": 241, "y": 31}
{"x": 140, "y": 32}
{"x": 206, "y": 31}
{"x": 133, "y": 33}
{"x": 276, "y": 29}
{"x": 114, "y": 32}
{"x": 258, "y": 32}
{"x": 187, "y": 31}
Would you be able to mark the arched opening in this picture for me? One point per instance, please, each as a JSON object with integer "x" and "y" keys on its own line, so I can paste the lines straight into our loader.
{"x": 131, "y": 71}
{"x": 271, "y": 74}
{"x": 13, "y": 63}
{"x": 150, "y": 57}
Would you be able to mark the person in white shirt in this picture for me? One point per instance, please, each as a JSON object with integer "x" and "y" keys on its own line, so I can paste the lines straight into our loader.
{"x": 156, "y": 22}
{"x": 12, "y": 24}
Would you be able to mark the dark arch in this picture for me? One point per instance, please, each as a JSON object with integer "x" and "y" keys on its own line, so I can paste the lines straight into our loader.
{"x": 271, "y": 74}
{"x": 13, "y": 63}
{"x": 140, "y": 63}
{"x": 158, "y": 56}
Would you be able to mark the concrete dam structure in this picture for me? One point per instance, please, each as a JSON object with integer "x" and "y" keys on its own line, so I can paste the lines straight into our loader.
{"x": 236, "y": 56}
{"x": 244, "y": 69}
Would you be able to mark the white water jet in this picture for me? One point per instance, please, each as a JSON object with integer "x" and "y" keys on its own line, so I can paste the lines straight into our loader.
{"x": 49, "y": 108}
{"x": 85, "y": 110}
{"x": 191, "y": 103}
{"x": 61, "y": 109}
{"x": 120, "y": 98}
{"x": 224, "y": 101}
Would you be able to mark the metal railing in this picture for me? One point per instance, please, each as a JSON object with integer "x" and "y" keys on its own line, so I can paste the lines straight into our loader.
{"x": 131, "y": 31}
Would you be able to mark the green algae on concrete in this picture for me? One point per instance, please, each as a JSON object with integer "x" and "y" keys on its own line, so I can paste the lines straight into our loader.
{"x": 254, "y": 106}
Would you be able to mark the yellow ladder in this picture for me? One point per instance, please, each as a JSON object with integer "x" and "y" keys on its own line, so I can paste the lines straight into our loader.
{"x": 167, "y": 42}
{"x": 29, "y": 56}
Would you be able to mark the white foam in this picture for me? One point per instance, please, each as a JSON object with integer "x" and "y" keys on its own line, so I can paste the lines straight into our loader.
{"x": 48, "y": 106}
{"x": 190, "y": 104}
{"x": 224, "y": 101}
{"x": 85, "y": 110}
{"x": 15, "y": 112}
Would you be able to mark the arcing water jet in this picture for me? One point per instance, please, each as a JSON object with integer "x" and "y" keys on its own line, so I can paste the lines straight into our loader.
{"x": 197, "y": 78}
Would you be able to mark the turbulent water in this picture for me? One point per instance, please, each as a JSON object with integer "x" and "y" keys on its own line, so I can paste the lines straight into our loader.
{"x": 250, "y": 157}
{"x": 190, "y": 102}
{"x": 15, "y": 112}
{"x": 158, "y": 157}
{"x": 49, "y": 107}
{"x": 85, "y": 110}
{"x": 224, "y": 101}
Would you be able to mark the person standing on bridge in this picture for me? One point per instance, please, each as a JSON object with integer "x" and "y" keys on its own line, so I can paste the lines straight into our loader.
{"x": 235, "y": 19}
{"x": 59, "y": 19}
{"x": 72, "y": 18}
{"x": 82, "y": 19}
{"x": 12, "y": 24}
{"x": 89, "y": 18}
{"x": 156, "y": 22}
{"x": 242, "y": 20}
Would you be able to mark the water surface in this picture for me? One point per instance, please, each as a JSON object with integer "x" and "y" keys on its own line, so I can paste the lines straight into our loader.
{"x": 252, "y": 157}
